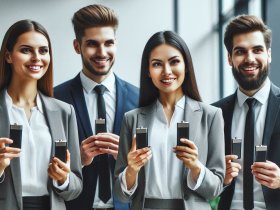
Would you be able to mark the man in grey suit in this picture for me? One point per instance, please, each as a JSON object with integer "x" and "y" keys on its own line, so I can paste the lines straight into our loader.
{"x": 248, "y": 42}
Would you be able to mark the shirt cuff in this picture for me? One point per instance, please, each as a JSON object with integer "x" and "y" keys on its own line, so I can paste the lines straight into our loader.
{"x": 124, "y": 185}
{"x": 191, "y": 183}
{"x": 63, "y": 186}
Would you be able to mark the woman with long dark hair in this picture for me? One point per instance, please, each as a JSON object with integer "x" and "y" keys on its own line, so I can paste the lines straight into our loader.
{"x": 31, "y": 177}
{"x": 165, "y": 175}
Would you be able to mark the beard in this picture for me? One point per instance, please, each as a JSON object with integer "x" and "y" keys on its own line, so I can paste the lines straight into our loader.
{"x": 250, "y": 84}
{"x": 93, "y": 70}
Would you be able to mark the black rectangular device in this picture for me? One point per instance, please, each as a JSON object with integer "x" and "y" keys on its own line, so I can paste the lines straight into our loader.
{"x": 16, "y": 135}
{"x": 260, "y": 153}
{"x": 61, "y": 149}
{"x": 182, "y": 132}
{"x": 236, "y": 144}
{"x": 100, "y": 126}
{"x": 141, "y": 137}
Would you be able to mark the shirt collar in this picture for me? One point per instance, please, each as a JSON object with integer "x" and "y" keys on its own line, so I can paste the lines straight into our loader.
{"x": 261, "y": 96}
{"x": 9, "y": 102}
{"x": 88, "y": 84}
{"x": 180, "y": 103}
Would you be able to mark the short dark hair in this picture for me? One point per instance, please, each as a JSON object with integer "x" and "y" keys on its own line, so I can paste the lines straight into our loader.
{"x": 45, "y": 84}
{"x": 148, "y": 91}
{"x": 95, "y": 15}
{"x": 244, "y": 24}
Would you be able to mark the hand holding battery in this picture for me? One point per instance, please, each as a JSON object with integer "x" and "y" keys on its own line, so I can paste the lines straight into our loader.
{"x": 232, "y": 168}
{"x": 101, "y": 143}
{"x": 136, "y": 159}
{"x": 7, "y": 153}
{"x": 267, "y": 174}
{"x": 188, "y": 154}
{"x": 58, "y": 170}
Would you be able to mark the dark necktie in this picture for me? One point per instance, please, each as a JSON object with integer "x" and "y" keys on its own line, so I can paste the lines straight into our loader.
{"x": 103, "y": 169}
{"x": 248, "y": 196}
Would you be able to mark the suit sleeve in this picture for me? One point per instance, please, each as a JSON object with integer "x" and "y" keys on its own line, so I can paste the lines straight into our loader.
{"x": 75, "y": 176}
{"x": 121, "y": 164}
{"x": 212, "y": 184}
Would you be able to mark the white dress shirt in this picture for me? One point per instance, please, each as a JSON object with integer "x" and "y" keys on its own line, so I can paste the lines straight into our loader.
{"x": 164, "y": 171}
{"x": 35, "y": 148}
{"x": 91, "y": 103}
{"x": 237, "y": 130}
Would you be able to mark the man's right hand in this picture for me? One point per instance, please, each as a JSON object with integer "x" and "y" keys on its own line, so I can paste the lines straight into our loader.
{"x": 232, "y": 169}
{"x": 7, "y": 153}
{"x": 89, "y": 150}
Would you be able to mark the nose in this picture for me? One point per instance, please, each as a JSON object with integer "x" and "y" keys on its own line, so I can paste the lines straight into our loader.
{"x": 35, "y": 57}
{"x": 167, "y": 69}
{"x": 101, "y": 50}
{"x": 250, "y": 57}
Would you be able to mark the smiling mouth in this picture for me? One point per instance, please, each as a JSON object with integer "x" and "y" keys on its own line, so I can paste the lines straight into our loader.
{"x": 100, "y": 61}
{"x": 250, "y": 68}
{"x": 35, "y": 67}
{"x": 168, "y": 81}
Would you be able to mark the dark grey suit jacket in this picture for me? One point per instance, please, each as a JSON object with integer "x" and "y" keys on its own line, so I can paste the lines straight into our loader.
{"x": 206, "y": 132}
{"x": 61, "y": 121}
{"x": 271, "y": 138}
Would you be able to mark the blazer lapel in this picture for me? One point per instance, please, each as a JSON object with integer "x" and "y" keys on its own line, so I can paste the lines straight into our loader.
{"x": 80, "y": 105}
{"x": 4, "y": 132}
{"x": 145, "y": 119}
{"x": 193, "y": 114}
{"x": 53, "y": 119}
{"x": 4, "y": 128}
{"x": 227, "y": 109}
{"x": 271, "y": 114}
{"x": 121, "y": 93}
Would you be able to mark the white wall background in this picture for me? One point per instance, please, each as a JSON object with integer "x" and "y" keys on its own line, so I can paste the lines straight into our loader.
{"x": 139, "y": 19}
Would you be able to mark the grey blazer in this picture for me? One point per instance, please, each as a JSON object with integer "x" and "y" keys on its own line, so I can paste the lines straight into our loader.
{"x": 206, "y": 131}
{"x": 62, "y": 125}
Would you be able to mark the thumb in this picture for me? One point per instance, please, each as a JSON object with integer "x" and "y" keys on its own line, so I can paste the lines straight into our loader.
{"x": 68, "y": 157}
{"x": 133, "y": 145}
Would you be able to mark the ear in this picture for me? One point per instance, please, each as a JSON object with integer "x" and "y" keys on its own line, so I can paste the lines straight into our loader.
{"x": 77, "y": 46}
{"x": 229, "y": 59}
{"x": 8, "y": 57}
{"x": 269, "y": 55}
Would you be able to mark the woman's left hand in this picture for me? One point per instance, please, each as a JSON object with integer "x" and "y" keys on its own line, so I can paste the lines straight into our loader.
{"x": 58, "y": 170}
{"x": 188, "y": 154}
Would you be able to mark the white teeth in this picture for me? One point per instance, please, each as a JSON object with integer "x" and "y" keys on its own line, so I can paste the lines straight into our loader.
{"x": 34, "y": 67}
{"x": 253, "y": 68}
{"x": 167, "y": 80}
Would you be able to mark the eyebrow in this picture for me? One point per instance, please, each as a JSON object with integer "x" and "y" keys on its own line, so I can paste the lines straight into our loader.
{"x": 29, "y": 46}
{"x": 168, "y": 59}
{"x": 95, "y": 41}
{"x": 244, "y": 48}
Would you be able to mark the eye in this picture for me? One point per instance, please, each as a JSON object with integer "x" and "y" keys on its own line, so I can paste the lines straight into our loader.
{"x": 156, "y": 64}
{"x": 92, "y": 43}
{"x": 239, "y": 52}
{"x": 25, "y": 50}
{"x": 44, "y": 50}
{"x": 258, "y": 50}
{"x": 109, "y": 43}
{"x": 174, "y": 62}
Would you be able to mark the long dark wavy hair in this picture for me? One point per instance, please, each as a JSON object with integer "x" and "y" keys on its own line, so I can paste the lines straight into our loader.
{"x": 148, "y": 91}
{"x": 45, "y": 84}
